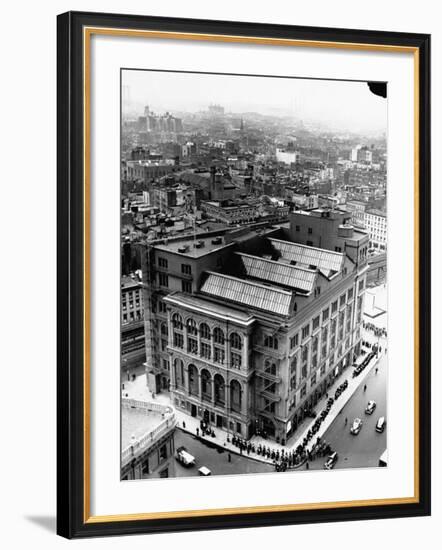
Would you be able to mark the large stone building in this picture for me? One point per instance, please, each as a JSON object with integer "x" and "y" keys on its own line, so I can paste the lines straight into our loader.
{"x": 258, "y": 324}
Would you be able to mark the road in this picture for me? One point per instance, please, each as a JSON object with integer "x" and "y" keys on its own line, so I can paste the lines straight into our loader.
{"x": 364, "y": 449}
{"x": 214, "y": 458}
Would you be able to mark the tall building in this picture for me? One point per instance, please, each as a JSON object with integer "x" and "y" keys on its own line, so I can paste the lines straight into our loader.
{"x": 258, "y": 324}
{"x": 133, "y": 352}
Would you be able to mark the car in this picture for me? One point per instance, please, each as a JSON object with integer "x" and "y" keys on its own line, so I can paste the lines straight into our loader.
{"x": 371, "y": 405}
{"x": 356, "y": 426}
{"x": 203, "y": 471}
{"x": 380, "y": 424}
{"x": 184, "y": 457}
{"x": 331, "y": 461}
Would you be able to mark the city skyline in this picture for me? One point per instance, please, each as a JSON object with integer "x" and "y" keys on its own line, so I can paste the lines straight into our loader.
{"x": 342, "y": 106}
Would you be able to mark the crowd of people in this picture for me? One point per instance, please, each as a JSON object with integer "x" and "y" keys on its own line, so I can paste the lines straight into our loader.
{"x": 377, "y": 331}
{"x": 283, "y": 459}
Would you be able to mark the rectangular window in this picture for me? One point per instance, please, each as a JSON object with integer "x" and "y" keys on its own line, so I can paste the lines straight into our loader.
{"x": 313, "y": 380}
{"x": 235, "y": 359}
{"x": 338, "y": 249}
{"x": 162, "y": 262}
{"x": 305, "y": 331}
{"x": 298, "y": 228}
{"x": 186, "y": 286}
{"x": 186, "y": 269}
{"x": 163, "y": 453}
{"x": 334, "y": 307}
{"x": 163, "y": 279}
{"x": 342, "y": 300}
{"x": 350, "y": 294}
{"x": 205, "y": 350}
{"x": 309, "y": 243}
{"x": 192, "y": 345}
{"x": 294, "y": 341}
{"x": 361, "y": 285}
{"x": 325, "y": 314}
{"x": 303, "y": 391}
{"x": 316, "y": 322}
{"x": 219, "y": 355}
{"x": 303, "y": 372}
{"x": 178, "y": 340}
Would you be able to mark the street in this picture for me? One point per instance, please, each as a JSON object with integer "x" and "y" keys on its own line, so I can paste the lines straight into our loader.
{"x": 214, "y": 458}
{"x": 364, "y": 449}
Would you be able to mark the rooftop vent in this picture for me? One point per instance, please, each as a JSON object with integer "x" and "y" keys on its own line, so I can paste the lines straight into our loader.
{"x": 199, "y": 244}
{"x": 183, "y": 248}
{"x": 217, "y": 240}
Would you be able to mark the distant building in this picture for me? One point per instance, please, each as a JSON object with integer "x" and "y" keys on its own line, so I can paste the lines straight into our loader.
{"x": 216, "y": 110}
{"x": 287, "y": 156}
{"x": 230, "y": 212}
{"x": 162, "y": 123}
{"x": 147, "y": 440}
{"x": 146, "y": 170}
{"x": 357, "y": 211}
{"x": 305, "y": 201}
{"x": 376, "y": 225}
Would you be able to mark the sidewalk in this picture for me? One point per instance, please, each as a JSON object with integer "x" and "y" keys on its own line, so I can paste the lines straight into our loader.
{"x": 138, "y": 389}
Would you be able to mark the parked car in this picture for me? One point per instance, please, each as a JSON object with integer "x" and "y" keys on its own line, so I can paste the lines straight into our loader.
{"x": 380, "y": 424}
{"x": 331, "y": 461}
{"x": 184, "y": 458}
{"x": 369, "y": 409}
{"x": 356, "y": 426}
{"x": 203, "y": 471}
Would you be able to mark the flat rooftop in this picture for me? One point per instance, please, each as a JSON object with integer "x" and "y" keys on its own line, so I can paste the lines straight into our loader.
{"x": 207, "y": 245}
{"x": 136, "y": 422}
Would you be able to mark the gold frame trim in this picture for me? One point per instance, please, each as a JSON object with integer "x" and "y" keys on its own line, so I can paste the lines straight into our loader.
{"x": 87, "y": 34}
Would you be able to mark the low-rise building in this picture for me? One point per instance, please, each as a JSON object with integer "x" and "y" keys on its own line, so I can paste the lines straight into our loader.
{"x": 230, "y": 211}
{"x": 147, "y": 440}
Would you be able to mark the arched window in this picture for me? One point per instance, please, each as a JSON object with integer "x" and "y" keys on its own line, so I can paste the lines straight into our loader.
{"x": 235, "y": 341}
{"x": 164, "y": 329}
{"x": 271, "y": 342}
{"x": 235, "y": 395}
{"x": 218, "y": 336}
{"x": 191, "y": 327}
{"x": 206, "y": 384}
{"x": 205, "y": 331}
{"x": 177, "y": 321}
{"x": 219, "y": 390}
{"x": 193, "y": 380}
{"x": 270, "y": 367}
{"x": 178, "y": 366}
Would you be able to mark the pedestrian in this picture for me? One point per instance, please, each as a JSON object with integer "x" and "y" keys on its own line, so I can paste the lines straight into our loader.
{"x": 346, "y": 421}
{"x": 229, "y": 457}
{"x": 365, "y": 387}
{"x": 307, "y": 465}
{"x": 376, "y": 370}
{"x": 197, "y": 432}
{"x": 184, "y": 425}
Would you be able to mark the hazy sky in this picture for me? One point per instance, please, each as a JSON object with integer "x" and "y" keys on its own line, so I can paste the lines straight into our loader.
{"x": 348, "y": 106}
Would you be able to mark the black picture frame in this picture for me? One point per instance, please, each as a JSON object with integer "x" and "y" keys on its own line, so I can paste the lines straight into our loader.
{"x": 72, "y": 521}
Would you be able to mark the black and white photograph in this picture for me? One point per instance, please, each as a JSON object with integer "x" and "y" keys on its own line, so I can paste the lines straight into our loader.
{"x": 253, "y": 274}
